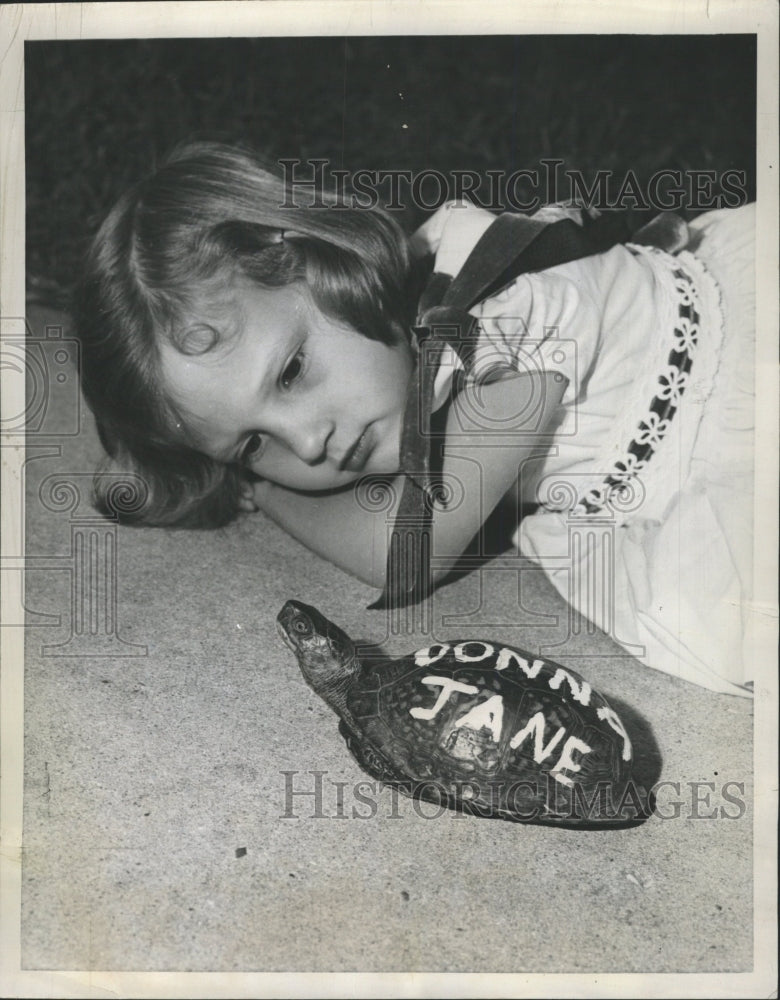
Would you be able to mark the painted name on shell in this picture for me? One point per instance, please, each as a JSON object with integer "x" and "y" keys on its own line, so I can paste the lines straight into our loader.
{"x": 489, "y": 714}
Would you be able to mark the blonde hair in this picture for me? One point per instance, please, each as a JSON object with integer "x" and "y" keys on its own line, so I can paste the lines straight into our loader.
{"x": 163, "y": 264}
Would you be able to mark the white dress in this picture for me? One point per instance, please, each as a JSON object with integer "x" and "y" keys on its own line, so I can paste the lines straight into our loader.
{"x": 643, "y": 494}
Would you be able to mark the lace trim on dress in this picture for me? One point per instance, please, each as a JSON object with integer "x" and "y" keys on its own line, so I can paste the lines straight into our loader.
{"x": 617, "y": 487}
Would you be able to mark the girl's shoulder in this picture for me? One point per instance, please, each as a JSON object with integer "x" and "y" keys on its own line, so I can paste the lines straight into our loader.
{"x": 455, "y": 229}
{"x": 450, "y": 234}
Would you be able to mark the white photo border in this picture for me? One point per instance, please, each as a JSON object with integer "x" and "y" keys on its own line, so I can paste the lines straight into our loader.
{"x": 22, "y": 22}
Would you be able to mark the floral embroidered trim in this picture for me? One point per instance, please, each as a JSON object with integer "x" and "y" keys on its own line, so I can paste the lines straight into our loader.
{"x": 672, "y": 382}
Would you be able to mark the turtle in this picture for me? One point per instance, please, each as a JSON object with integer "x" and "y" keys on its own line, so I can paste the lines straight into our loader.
{"x": 472, "y": 725}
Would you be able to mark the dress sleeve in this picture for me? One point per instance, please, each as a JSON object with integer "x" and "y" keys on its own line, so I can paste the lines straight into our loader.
{"x": 543, "y": 322}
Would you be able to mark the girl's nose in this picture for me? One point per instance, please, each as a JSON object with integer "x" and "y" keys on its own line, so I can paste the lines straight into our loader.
{"x": 309, "y": 442}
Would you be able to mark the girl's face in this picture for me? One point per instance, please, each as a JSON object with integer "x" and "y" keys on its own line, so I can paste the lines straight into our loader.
{"x": 294, "y": 396}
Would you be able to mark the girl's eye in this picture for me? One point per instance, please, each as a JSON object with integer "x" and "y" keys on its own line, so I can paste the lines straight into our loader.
{"x": 292, "y": 371}
{"x": 252, "y": 448}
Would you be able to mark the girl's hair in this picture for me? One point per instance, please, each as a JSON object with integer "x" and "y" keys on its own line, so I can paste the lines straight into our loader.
{"x": 164, "y": 263}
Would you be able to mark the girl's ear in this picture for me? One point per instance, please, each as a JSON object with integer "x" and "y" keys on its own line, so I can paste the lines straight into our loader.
{"x": 197, "y": 339}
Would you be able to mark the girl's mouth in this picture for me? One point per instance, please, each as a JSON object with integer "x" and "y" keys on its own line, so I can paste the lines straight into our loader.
{"x": 357, "y": 456}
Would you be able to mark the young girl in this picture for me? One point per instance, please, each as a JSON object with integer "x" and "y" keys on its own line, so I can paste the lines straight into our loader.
{"x": 240, "y": 352}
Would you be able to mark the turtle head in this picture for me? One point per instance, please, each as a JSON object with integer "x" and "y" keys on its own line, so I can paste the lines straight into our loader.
{"x": 326, "y": 654}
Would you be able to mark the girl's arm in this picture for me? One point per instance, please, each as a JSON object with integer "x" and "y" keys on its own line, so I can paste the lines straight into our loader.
{"x": 490, "y": 430}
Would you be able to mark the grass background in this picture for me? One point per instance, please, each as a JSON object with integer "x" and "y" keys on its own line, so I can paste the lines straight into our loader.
{"x": 101, "y": 113}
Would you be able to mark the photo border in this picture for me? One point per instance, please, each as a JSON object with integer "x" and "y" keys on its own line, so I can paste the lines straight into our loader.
{"x": 23, "y": 22}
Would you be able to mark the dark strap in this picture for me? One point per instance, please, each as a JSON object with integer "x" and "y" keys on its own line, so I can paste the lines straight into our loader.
{"x": 511, "y": 246}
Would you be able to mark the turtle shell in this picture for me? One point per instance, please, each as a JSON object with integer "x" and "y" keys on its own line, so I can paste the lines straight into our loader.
{"x": 492, "y": 730}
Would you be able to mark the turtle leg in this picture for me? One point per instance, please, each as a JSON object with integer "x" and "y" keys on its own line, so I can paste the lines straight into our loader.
{"x": 371, "y": 761}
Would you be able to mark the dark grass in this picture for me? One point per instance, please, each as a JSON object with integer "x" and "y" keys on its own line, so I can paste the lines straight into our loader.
{"x": 101, "y": 114}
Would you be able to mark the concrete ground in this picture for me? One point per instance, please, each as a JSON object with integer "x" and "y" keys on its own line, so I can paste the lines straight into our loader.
{"x": 161, "y": 730}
